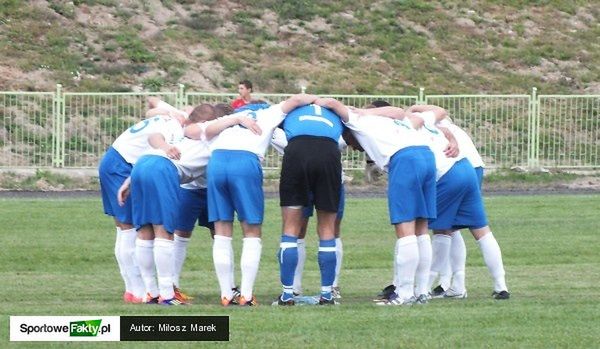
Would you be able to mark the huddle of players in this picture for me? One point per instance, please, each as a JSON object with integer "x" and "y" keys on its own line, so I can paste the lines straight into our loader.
{"x": 430, "y": 183}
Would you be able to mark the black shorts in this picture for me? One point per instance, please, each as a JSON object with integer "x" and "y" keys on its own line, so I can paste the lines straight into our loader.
{"x": 311, "y": 165}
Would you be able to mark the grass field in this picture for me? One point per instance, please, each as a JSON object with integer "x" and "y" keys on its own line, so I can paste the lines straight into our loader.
{"x": 57, "y": 259}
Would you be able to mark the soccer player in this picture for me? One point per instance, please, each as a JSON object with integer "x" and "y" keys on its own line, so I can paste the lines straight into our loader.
{"x": 279, "y": 142}
{"x": 235, "y": 186}
{"x": 245, "y": 91}
{"x": 114, "y": 168}
{"x": 311, "y": 164}
{"x": 192, "y": 204}
{"x": 392, "y": 142}
{"x": 449, "y": 251}
{"x": 154, "y": 186}
{"x": 459, "y": 201}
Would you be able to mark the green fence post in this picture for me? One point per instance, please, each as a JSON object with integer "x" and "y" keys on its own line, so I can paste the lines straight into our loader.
{"x": 61, "y": 127}
{"x": 421, "y": 98}
{"x": 180, "y": 100}
{"x": 57, "y": 107}
{"x": 534, "y": 130}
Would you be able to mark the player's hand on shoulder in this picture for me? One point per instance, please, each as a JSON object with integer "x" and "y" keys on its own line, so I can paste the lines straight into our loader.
{"x": 172, "y": 152}
{"x": 452, "y": 150}
{"x": 251, "y": 125}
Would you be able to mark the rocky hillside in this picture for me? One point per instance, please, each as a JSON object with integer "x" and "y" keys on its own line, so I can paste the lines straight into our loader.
{"x": 342, "y": 46}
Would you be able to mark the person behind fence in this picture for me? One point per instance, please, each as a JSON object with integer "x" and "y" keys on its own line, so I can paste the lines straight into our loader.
{"x": 115, "y": 167}
{"x": 245, "y": 94}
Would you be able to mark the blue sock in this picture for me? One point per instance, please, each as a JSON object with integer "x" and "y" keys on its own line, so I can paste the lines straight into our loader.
{"x": 288, "y": 259}
{"x": 327, "y": 265}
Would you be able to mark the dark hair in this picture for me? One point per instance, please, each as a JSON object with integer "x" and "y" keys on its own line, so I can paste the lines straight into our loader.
{"x": 380, "y": 103}
{"x": 222, "y": 109}
{"x": 258, "y": 101}
{"x": 246, "y": 83}
{"x": 203, "y": 112}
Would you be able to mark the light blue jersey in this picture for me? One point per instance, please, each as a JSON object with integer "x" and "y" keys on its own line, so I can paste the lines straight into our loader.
{"x": 312, "y": 120}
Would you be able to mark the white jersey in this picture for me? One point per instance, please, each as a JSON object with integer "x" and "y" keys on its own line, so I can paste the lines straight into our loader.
{"x": 437, "y": 142}
{"x": 279, "y": 141}
{"x": 191, "y": 166}
{"x": 240, "y": 138}
{"x": 194, "y": 158}
{"x": 382, "y": 137}
{"x": 133, "y": 143}
{"x": 465, "y": 144}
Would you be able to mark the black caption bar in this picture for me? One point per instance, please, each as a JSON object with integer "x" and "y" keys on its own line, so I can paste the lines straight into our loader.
{"x": 174, "y": 328}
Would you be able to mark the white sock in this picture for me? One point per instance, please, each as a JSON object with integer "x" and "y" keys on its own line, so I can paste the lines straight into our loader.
{"x": 407, "y": 260}
{"x": 249, "y": 262}
{"x": 179, "y": 252}
{"x": 339, "y": 257}
{"x": 446, "y": 275}
{"x": 232, "y": 270}
{"x": 144, "y": 255}
{"x": 223, "y": 260}
{"x": 395, "y": 279}
{"x": 300, "y": 266}
{"x": 458, "y": 260}
{"x": 493, "y": 259}
{"x": 424, "y": 266}
{"x": 127, "y": 253}
{"x": 440, "y": 249}
{"x": 163, "y": 258}
{"x": 120, "y": 263}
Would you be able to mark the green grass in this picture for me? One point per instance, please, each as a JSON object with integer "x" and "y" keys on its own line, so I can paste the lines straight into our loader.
{"x": 57, "y": 259}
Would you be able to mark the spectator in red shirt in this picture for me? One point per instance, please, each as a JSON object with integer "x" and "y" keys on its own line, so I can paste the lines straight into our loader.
{"x": 244, "y": 89}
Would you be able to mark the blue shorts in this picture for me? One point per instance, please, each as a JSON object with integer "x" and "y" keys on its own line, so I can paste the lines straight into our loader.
{"x": 235, "y": 179}
{"x": 154, "y": 192}
{"x": 459, "y": 201}
{"x": 112, "y": 172}
{"x": 192, "y": 206}
{"x": 411, "y": 185}
{"x": 307, "y": 211}
{"x": 479, "y": 173}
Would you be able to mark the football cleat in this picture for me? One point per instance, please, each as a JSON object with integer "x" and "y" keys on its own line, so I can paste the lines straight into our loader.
{"x": 172, "y": 301}
{"x": 437, "y": 292}
{"x": 233, "y": 301}
{"x": 248, "y": 303}
{"x": 325, "y": 301}
{"x": 422, "y": 299}
{"x": 287, "y": 302}
{"x": 182, "y": 297}
{"x": 455, "y": 294}
{"x": 394, "y": 299}
{"x": 151, "y": 300}
{"x": 385, "y": 294}
{"x": 129, "y": 297}
{"x": 336, "y": 292}
{"x": 236, "y": 292}
{"x": 501, "y": 295}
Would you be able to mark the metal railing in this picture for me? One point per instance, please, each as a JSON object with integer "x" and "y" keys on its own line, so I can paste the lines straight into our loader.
{"x": 67, "y": 129}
